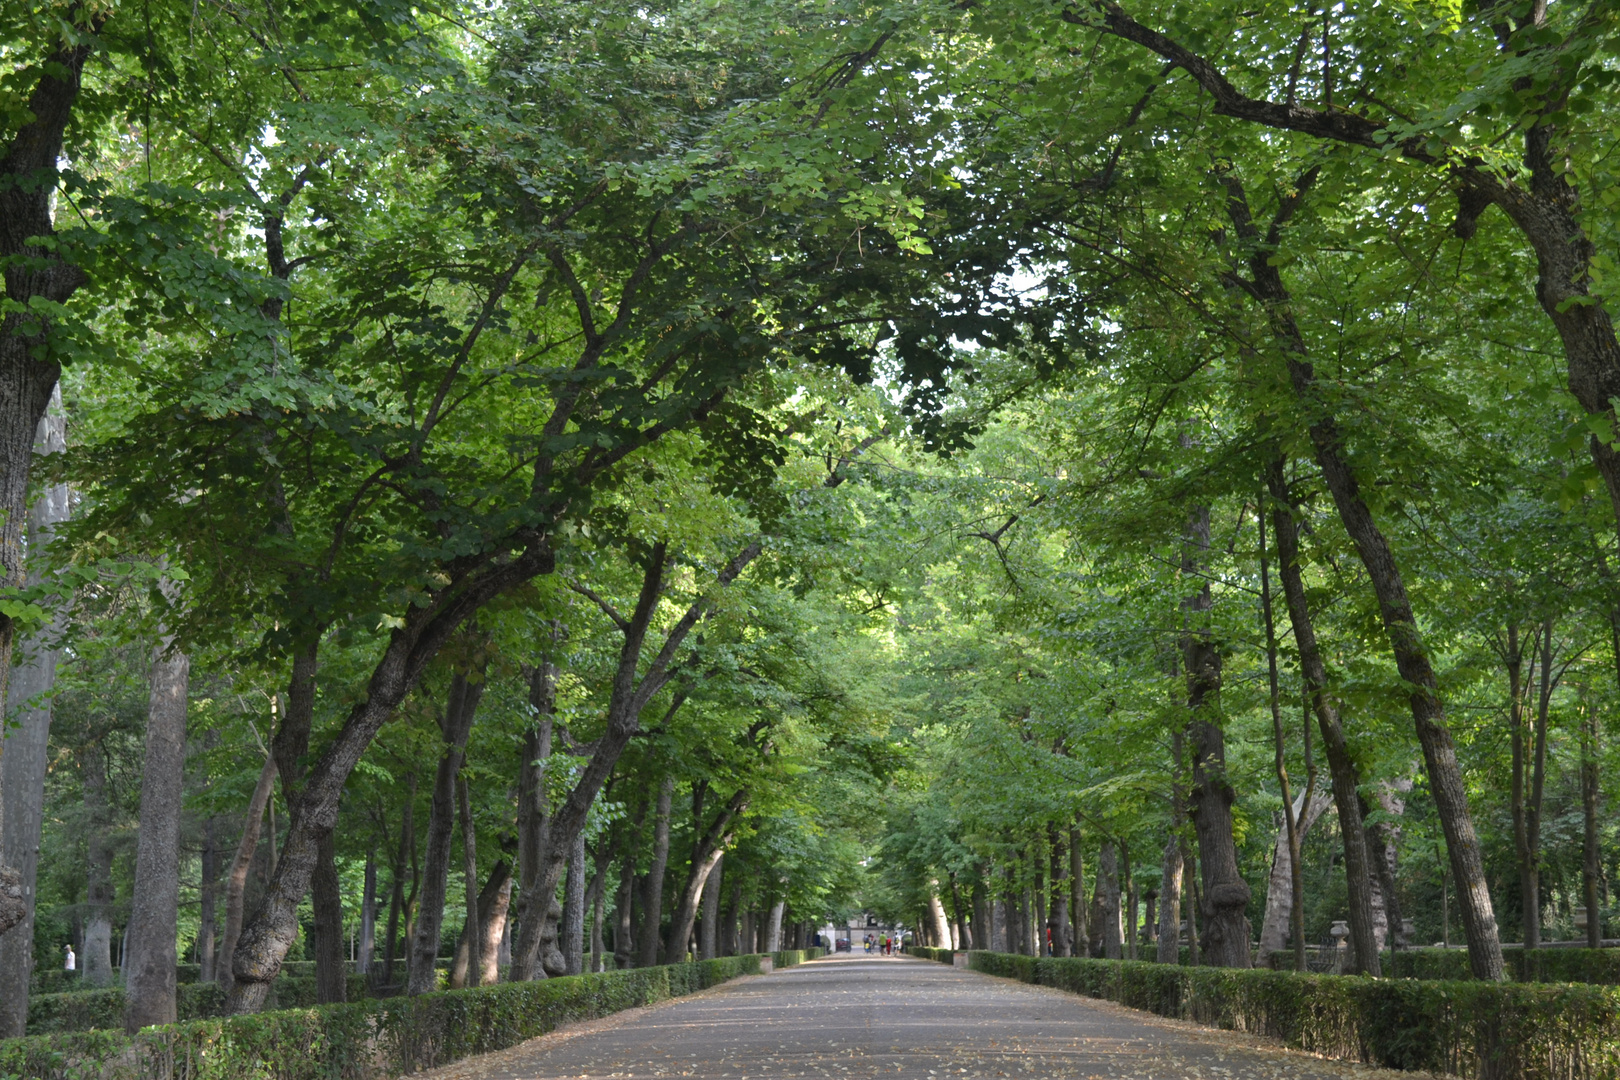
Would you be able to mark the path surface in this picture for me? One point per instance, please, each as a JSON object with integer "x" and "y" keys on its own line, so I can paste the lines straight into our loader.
{"x": 851, "y": 1018}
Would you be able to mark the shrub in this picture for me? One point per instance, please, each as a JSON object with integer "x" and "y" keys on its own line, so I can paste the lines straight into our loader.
{"x": 791, "y": 957}
{"x": 944, "y": 956}
{"x": 1505, "y": 1031}
{"x": 1597, "y": 966}
{"x": 360, "y": 1040}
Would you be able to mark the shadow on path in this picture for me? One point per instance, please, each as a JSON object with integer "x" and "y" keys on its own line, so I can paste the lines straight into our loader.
{"x": 857, "y": 1017}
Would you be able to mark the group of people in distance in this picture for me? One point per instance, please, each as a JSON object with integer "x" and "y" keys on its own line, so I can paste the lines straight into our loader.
{"x": 885, "y": 944}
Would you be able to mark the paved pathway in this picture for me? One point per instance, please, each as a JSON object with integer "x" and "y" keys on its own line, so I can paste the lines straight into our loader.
{"x": 853, "y": 1018}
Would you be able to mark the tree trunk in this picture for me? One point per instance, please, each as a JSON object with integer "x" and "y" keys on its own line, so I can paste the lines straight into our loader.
{"x": 36, "y": 277}
{"x": 730, "y": 936}
{"x": 24, "y": 747}
{"x": 1130, "y": 901}
{"x": 1170, "y": 903}
{"x": 396, "y": 888}
{"x": 454, "y": 726}
{"x": 1225, "y": 894}
{"x": 494, "y": 900}
{"x": 705, "y": 857}
{"x": 367, "y": 946}
{"x": 1274, "y": 928}
{"x": 773, "y": 927}
{"x": 1341, "y": 766}
{"x": 534, "y": 813}
{"x": 593, "y": 899}
{"x": 573, "y": 923}
{"x": 96, "y": 959}
{"x": 1292, "y": 831}
{"x": 1077, "y": 894}
{"x": 652, "y": 900}
{"x": 1591, "y": 854}
{"x": 206, "y": 927}
{"x": 1395, "y": 607}
{"x": 1109, "y": 909}
{"x": 331, "y": 967}
{"x": 472, "y": 934}
{"x": 624, "y": 953}
{"x": 709, "y": 933}
{"x": 236, "y": 880}
{"x": 149, "y": 954}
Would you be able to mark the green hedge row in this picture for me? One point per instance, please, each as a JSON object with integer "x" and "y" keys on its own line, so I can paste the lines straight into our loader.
{"x": 944, "y": 956}
{"x": 84, "y": 1010}
{"x": 1504, "y": 1031}
{"x": 361, "y": 1040}
{"x": 792, "y": 957}
{"x": 1598, "y": 966}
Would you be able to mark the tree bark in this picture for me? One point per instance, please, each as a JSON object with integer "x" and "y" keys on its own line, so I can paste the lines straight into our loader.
{"x": 624, "y": 952}
{"x": 534, "y": 815}
{"x": 773, "y": 927}
{"x": 367, "y": 945}
{"x": 1077, "y": 894}
{"x": 96, "y": 961}
{"x": 1057, "y": 922}
{"x": 206, "y": 928}
{"x": 573, "y": 924}
{"x": 396, "y": 887}
{"x": 149, "y": 952}
{"x": 730, "y": 936}
{"x": 1130, "y": 901}
{"x": 1225, "y": 894}
{"x": 494, "y": 901}
{"x": 1108, "y": 924}
{"x": 593, "y": 900}
{"x": 1292, "y": 831}
{"x": 472, "y": 934}
{"x": 454, "y": 725}
{"x": 1341, "y": 766}
{"x": 1170, "y": 903}
{"x": 652, "y": 900}
{"x": 36, "y": 277}
{"x": 236, "y": 879}
{"x": 709, "y": 935}
{"x": 706, "y": 856}
{"x": 1395, "y": 607}
{"x": 1274, "y": 928}
{"x": 24, "y": 747}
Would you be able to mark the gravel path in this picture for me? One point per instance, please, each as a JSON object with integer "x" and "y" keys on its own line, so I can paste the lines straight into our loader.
{"x": 851, "y": 1018}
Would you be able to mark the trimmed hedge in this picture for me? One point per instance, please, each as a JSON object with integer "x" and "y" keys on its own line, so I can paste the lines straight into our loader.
{"x": 359, "y": 1040}
{"x": 86, "y": 1010}
{"x": 792, "y": 957}
{"x": 1504, "y": 1031}
{"x": 1597, "y": 966}
{"x": 944, "y": 956}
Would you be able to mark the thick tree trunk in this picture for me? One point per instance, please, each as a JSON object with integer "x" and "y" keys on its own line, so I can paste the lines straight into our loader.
{"x": 149, "y": 952}
{"x": 1225, "y": 894}
{"x": 1109, "y": 914}
{"x": 1130, "y": 900}
{"x": 367, "y": 945}
{"x": 494, "y": 900}
{"x": 454, "y": 725}
{"x": 1077, "y": 894}
{"x": 730, "y": 936}
{"x": 24, "y": 745}
{"x": 573, "y": 920}
{"x": 236, "y": 879}
{"x": 709, "y": 935}
{"x": 331, "y": 966}
{"x": 96, "y": 959}
{"x": 652, "y": 899}
{"x": 1274, "y": 928}
{"x": 36, "y": 277}
{"x": 594, "y": 899}
{"x": 1342, "y": 769}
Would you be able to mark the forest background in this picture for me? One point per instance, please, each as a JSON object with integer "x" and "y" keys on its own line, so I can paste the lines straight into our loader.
{"x": 636, "y": 478}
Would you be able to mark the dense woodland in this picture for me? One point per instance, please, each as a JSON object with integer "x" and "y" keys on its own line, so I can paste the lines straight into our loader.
{"x": 496, "y": 491}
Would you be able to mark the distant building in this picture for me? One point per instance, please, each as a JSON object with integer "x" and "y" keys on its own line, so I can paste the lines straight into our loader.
{"x": 856, "y": 929}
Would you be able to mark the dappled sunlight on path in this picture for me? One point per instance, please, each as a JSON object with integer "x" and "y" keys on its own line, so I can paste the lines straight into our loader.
{"x": 860, "y": 1016}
